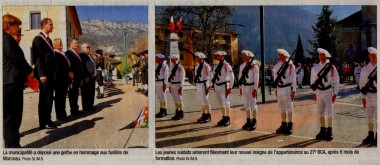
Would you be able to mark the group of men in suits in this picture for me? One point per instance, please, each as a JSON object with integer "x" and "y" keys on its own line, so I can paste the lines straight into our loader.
{"x": 56, "y": 71}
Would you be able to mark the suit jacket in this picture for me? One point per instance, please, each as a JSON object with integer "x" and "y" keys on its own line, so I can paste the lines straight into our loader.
{"x": 89, "y": 65}
{"x": 62, "y": 68}
{"x": 75, "y": 64}
{"x": 15, "y": 67}
{"x": 43, "y": 56}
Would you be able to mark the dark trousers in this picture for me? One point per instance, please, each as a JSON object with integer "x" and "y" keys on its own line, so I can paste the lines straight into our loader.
{"x": 45, "y": 102}
{"x": 99, "y": 77}
{"x": 13, "y": 99}
{"x": 88, "y": 94}
{"x": 73, "y": 96}
{"x": 60, "y": 98}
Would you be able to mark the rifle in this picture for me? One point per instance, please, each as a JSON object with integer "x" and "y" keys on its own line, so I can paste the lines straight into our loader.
{"x": 244, "y": 73}
{"x": 281, "y": 72}
{"x": 158, "y": 69}
{"x": 299, "y": 70}
{"x": 371, "y": 77}
{"x": 198, "y": 74}
{"x": 218, "y": 69}
{"x": 172, "y": 74}
{"x": 321, "y": 75}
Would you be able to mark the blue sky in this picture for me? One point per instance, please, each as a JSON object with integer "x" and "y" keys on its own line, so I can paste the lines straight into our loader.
{"x": 339, "y": 11}
{"x": 114, "y": 13}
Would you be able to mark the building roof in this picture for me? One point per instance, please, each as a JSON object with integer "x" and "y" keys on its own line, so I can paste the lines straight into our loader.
{"x": 76, "y": 19}
{"x": 353, "y": 19}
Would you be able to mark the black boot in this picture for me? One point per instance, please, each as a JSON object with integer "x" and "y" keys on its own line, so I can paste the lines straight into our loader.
{"x": 220, "y": 122}
{"x": 178, "y": 115}
{"x": 375, "y": 142}
{"x": 254, "y": 124}
{"x": 201, "y": 120}
{"x": 322, "y": 133}
{"x": 282, "y": 128}
{"x": 162, "y": 113}
{"x": 248, "y": 125}
{"x": 289, "y": 129}
{"x": 370, "y": 138}
{"x": 207, "y": 118}
{"x": 329, "y": 135}
{"x": 226, "y": 121}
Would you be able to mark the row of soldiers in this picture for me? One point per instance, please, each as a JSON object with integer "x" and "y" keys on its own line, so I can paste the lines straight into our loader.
{"x": 324, "y": 80}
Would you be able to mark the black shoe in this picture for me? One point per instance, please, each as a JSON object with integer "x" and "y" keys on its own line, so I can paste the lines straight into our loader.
{"x": 162, "y": 113}
{"x": 63, "y": 118}
{"x": 375, "y": 142}
{"x": 254, "y": 124}
{"x": 77, "y": 113}
{"x": 100, "y": 96}
{"x": 146, "y": 93}
{"x": 329, "y": 135}
{"x": 220, "y": 122}
{"x": 138, "y": 90}
{"x": 248, "y": 125}
{"x": 289, "y": 129}
{"x": 207, "y": 118}
{"x": 370, "y": 138}
{"x": 322, "y": 134}
{"x": 226, "y": 121}
{"x": 178, "y": 116}
{"x": 282, "y": 129}
{"x": 202, "y": 118}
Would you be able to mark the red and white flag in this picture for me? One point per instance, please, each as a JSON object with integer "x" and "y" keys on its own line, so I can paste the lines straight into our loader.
{"x": 179, "y": 25}
{"x": 172, "y": 28}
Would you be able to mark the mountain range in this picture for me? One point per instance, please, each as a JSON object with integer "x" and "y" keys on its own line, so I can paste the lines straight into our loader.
{"x": 109, "y": 35}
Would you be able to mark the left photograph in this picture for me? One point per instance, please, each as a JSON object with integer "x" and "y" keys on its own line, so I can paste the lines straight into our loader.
{"x": 75, "y": 76}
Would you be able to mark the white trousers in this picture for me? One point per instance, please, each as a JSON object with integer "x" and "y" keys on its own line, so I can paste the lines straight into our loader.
{"x": 248, "y": 100}
{"x": 299, "y": 80}
{"x": 177, "y": 97}
{"x": 284, "y": 99}
{"x": 371, "y": 107}
{"x": 201, "y": 93}
{"x": 324, "y": 103}
{"x": 160, "y": 93}
{"x": 220, "y": 92}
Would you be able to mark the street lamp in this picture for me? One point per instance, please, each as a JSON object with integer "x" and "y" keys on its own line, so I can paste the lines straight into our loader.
{"x": 125, "y": 55}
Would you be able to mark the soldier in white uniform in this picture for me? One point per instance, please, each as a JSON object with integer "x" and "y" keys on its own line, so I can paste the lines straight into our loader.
{"x": 223, "y": 81}
{"x": 285, "y": 92}
{"x": 248, "y": 88}
{"x": 162, "y": 74}
{"x": 369, "y": 97}
{"x": 325, "y": 92}
{"x": 357, "y": 74}
{"x": 299, "y": 73}
{"x": 202, "y": 79}
{"x": 176, "y": 82}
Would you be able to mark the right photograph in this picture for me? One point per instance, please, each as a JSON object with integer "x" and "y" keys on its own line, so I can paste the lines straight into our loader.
{"x": 266, "y": 76}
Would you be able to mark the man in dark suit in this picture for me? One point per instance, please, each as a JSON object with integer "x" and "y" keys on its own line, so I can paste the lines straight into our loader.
{"x": 43, "y": 56}
{"x": 15, "y": 72}
{"x": 63, "y": 78}
{"x": 76, "y": 67}
{"x": 89, "y": 73}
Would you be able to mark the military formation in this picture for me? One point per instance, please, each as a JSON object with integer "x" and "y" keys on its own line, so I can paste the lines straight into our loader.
{"x": 287, "y": 78}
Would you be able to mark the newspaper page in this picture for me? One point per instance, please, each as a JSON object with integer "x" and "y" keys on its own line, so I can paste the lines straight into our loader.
{"x": 189, "y": 82}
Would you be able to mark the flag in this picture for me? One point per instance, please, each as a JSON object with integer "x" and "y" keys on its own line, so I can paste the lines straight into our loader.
{"x": 32, "y": 83}
{"x": 179, "y": 25}
{"x": 172, "y": 28}
{"x": 142, "y": 118}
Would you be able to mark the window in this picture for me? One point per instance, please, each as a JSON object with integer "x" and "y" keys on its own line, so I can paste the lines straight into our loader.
{"x": 35, "y": 20}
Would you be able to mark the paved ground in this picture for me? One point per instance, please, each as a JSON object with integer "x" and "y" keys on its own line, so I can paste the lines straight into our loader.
{"x": 107, "y": 127}
{"x": 349, "y": 126}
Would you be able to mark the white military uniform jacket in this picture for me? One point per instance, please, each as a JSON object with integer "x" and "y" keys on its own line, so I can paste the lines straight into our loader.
{"x": 253, "y": 74}
{"x": 332, "y": 77}
{"x": 226, "y": 74}
{"x": 163, "y": 73}
{"x": 290, "y": 75}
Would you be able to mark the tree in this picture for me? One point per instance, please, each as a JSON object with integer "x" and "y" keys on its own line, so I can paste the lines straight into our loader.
{"x": 325, "y": 34}
{"x": 299, "y": 57}
{"x": 203, "y": 22}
